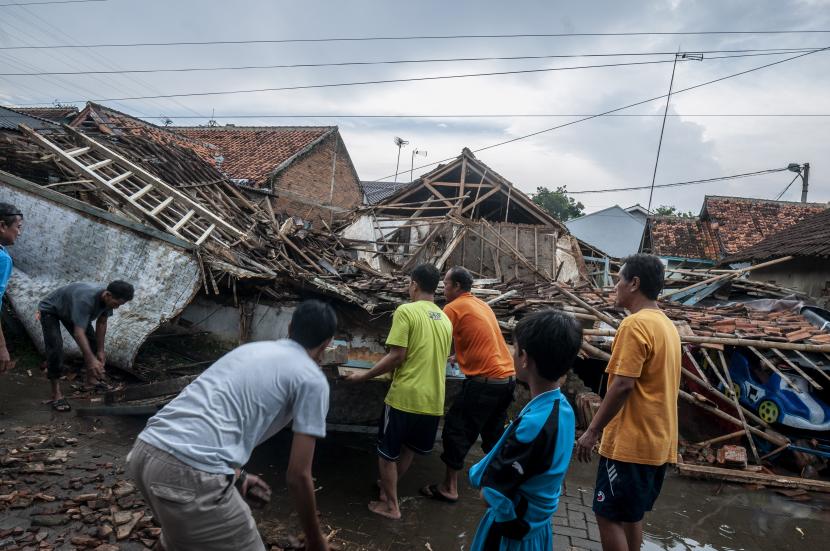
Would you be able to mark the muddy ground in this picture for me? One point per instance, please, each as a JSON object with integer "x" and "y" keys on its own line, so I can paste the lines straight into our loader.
{"x": 690, "y": 515}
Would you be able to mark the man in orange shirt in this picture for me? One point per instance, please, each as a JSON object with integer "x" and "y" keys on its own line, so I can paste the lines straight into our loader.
{"x": 481, "y": 406}
{"x": 638, "y": 416}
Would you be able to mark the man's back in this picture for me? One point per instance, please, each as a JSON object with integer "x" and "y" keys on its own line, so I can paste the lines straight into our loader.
{"x": 247, "y": 396}
{"x": 426, "y": 333}
{"x": 647, "y": 347}
{"x": 479, "y": 345}
{"x": 76, "y": 303}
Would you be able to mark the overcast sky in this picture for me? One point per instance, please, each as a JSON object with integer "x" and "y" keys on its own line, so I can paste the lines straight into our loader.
{"x": 607, "y": 152}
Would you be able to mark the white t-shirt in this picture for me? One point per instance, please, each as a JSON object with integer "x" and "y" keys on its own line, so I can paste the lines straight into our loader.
{"x": 247, "y": 396}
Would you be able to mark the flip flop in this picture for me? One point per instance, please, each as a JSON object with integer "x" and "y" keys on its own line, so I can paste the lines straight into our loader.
{"x": 60, "y": 405}
{"x": 432, "y": 492}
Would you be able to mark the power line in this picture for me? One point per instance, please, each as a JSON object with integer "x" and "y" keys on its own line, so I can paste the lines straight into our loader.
{"x": 743, "y": 53}
{"x": 662, "y": 130}
{"x": 610, "y": 111}
{"x": 383, "y": 81}
{"x": 13, "y": 5}
{"x": 404, "y": 38}
{"x": 788, "y": 186}
{"x": 677, "y": 184}
{"x": 477, "y": 116}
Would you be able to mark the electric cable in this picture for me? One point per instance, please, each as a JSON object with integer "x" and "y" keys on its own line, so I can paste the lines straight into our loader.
{"x": 678, "y": 184}
{"x": 788, "y": 186}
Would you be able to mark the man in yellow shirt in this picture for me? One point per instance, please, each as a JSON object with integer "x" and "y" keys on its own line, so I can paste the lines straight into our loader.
{"x": 419, "y": 343}
{"x": 638, "y": 416}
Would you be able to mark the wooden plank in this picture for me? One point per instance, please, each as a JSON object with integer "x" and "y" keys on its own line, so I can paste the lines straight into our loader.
{"x": 750, "y": 477}
{"x": 206, "y": 234}
{"x": 776, "y": 439}
{"x": 516, "y": 229}
{"x": 77, "y": 151}
{"x": 503, "y": 296}
{"x": 184, "y": 220}
{"x": 484, "y": 197}
{"x": 99, "y": 164}
{"x": 120, "y": 178}
{"x": 708, "y": 386}
{"x": 813, "y": 364}
{"x": 143, "y": 191}
{"x": 161, "y": 206}
{"x": 459, "y": 236}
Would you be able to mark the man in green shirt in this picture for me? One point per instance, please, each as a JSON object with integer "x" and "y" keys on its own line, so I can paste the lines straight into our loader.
{"x": 419, "y": 343}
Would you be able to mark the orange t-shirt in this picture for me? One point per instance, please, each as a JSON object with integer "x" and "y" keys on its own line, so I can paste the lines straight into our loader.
{"x": 479, "y": 345}
{"x": 647, "y": 347}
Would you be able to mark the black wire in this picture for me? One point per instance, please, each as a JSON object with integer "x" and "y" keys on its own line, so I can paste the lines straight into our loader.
{"x": 396, "y": 38}
{"x": 662, "y": 130}
{"x": 367, "y": 82}
{"x": 780, "y": 195}
{"x": 742, "y": 53}
{"x": 608, "y": 112}
{"x": 677, "y": 184}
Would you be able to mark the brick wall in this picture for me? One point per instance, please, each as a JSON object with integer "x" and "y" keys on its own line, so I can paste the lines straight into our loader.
{"x": 305, "y": 186}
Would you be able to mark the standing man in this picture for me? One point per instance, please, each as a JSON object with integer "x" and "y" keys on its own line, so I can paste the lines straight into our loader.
{"x": 190, "y": 456}
{"x": 638, "y": 416}
{"x": 481, "y": 406}
{"x": 11, "y": 224}
{"x": 419, "y": 343}
{"x": 76, "y": 306}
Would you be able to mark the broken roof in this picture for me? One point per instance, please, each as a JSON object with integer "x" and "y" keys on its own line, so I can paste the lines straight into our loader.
{"x": 808, "y": 238}
{"x": 10, "y": 119}
{"x": 483, "y": 193}
{"x": 59, "y": 114}
{"x": 255, "y": 154}
{"x": 680, "y": 237}
{"x": 739, "y": 222}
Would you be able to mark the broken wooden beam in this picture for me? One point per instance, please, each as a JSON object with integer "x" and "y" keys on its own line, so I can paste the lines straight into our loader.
{"x": 750, "y": 477}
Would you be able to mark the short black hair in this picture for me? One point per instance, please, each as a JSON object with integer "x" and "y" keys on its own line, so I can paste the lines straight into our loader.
{"x": 121, "y": 290}
{"x": 462, "y": 276}
{"x": 313, "y": 323}
{"x": 649, "y": 269}
{"x": 427, "y": 277}
{"x": 9, "y": 213}
{"x": 552, "y": 339}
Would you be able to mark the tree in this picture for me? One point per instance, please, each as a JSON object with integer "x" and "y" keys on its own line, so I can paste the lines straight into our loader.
{"x": 558, "y": 204}
{"x": 668, "y": 210}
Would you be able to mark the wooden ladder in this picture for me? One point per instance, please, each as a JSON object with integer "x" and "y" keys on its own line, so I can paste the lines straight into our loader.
{"x": 141, "y": 192}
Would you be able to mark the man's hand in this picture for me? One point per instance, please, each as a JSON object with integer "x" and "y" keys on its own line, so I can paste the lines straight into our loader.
{"x": 354, "y": 377}
{"x": 255, "y": 489}
{"x": 6, "y": 363}
{"x": 585, "y": 444}
{"x": 95, "y": 367}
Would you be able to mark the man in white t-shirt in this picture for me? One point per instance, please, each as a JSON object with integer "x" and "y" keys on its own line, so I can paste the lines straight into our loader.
{"x": 188, "y": 459}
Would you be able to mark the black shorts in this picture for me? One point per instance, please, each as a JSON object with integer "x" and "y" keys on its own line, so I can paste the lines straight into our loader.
{"x": 398, "y": 428}
{"x": 625, "y": 491}
{"x": 479, "y": 409}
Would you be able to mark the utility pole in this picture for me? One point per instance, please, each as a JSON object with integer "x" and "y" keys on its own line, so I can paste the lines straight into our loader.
{"x": 400, "y": 142}
{"x": 805, "y": 178}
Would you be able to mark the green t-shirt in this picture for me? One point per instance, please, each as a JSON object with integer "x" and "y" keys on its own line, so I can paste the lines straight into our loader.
{"x": 426, "y": 333}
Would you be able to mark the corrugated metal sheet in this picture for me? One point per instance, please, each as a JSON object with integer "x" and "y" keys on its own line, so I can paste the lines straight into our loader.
{"x": 613, "y": 231}
{"x": 10, "y": 120}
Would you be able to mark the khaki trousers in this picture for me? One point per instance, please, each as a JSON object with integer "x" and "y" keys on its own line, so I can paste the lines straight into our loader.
{"x": 197, "y": 511}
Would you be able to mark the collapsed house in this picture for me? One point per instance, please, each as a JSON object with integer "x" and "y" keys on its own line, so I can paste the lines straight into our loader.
{"x": 464, "y": 213}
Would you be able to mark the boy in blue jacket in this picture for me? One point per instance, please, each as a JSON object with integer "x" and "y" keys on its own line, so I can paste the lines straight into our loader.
{"x": 521, "y": 478}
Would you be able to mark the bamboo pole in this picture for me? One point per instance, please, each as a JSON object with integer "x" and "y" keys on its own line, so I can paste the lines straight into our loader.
{"x": 772, "y": 366}
{"x": 774, "y": 439}
{"x": 813, "y": 364}
{"x": 708, "y": 386}
{"x": 738, "y": 407}
{"x": 797, "y": 369}
{"x": 694, "y": 339}
{"x": 595, "y": 352}
{"x": 719, "y": 439}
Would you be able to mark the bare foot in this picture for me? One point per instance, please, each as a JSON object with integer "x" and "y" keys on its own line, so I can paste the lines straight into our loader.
{"x": 385, "y": 509}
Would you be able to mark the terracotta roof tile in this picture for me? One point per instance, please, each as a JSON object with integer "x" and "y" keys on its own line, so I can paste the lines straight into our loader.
{"x": 740, "y": 223}
{"x": 810, "y": 237}
{"x": 253, "y": 153}
{"x": 682, "y": 237}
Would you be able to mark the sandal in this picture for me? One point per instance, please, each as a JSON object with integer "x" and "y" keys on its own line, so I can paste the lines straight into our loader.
{"x": 60, "y": 405}
{"x": 433, "y": 492}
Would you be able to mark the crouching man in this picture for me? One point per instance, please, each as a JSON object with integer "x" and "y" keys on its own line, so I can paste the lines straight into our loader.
{"x": 188, "y": 460}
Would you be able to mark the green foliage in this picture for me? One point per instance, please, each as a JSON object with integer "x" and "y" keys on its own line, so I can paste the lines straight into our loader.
{"x": 668, "y": 210}
{"x": 558, "y": 204}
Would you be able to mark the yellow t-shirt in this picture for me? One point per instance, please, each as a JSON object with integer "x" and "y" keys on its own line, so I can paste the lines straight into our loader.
{"x": 426, "y": 333}
{"x": 647, "y": 346}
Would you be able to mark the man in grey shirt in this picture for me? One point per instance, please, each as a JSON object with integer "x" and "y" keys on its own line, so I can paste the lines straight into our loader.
{"x": 189, "y": 457}
{"x": 76, "y": 306}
